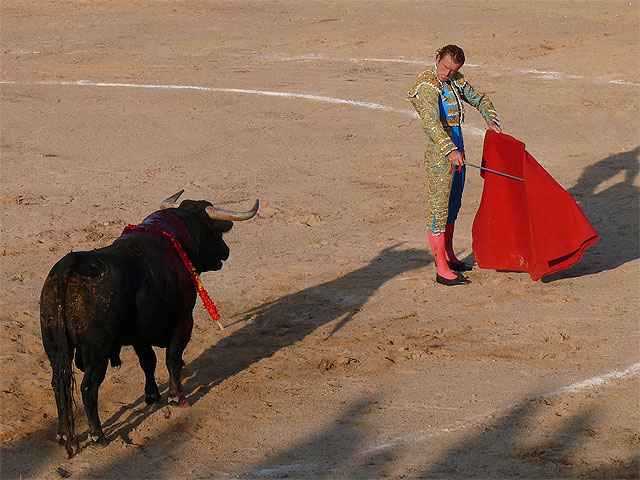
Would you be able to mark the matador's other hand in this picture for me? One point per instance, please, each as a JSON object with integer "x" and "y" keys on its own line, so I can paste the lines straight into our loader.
{"x": 456, "y": 158}
{"x": 495, "y": 127}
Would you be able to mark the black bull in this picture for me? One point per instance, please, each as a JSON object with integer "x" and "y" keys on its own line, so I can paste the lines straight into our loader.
{"x": 137, "y": 291}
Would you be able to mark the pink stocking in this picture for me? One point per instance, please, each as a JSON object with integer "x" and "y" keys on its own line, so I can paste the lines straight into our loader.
{"x": 437, "y": 243}
{"x": 448, "y": 243}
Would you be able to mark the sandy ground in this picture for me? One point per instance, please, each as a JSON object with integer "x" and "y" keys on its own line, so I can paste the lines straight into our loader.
{"x": 341, "y": 357}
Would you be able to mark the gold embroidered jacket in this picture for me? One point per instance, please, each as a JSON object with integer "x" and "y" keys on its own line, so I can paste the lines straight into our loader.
{"x": 424, "y": 96}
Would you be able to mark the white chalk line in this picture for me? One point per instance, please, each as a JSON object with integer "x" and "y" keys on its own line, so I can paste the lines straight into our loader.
{"x": 596, "y": 381}
{"x": 283, "y": 469}
{"x": 479, "y": 419}
{"x": 320, "y": 98}
{"x": 471, "y": 421}
{"x": 541, "y": 74}
{"x": 305, "y": 96}
{"x": 469, "y": 129}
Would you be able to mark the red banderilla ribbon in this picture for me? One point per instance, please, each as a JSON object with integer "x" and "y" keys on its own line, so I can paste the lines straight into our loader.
{"x": 206, "y": 299}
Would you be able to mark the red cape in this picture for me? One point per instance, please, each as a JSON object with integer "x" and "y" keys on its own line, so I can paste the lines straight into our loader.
{"x": 533, "y": 226}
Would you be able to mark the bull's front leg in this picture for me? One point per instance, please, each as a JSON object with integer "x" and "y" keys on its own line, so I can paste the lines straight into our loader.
{"x": 175, "y": 349}
{"x": 147, "y": 358}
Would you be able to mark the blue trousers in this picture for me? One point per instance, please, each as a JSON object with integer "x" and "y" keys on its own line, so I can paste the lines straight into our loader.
{"x": 457, "y": 181}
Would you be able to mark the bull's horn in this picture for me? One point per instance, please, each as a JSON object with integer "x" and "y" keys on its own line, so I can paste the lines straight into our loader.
{"x": 172, "y": 201}
{"x": 221, "y": 214}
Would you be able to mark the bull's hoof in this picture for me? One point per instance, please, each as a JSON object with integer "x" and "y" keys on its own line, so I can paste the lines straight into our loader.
{"x": 72, "y": 447}
{"x": 100, "y": 440}
{"x": 61, "y": 438}
{"x": 179, "y": 400}
{"x": 151, "y": 398}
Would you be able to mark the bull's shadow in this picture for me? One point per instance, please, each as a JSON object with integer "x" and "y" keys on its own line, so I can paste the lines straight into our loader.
{"x": 274, "y": 325}
{"x": 614, "y": 212}
{"x": 285, "y": 321}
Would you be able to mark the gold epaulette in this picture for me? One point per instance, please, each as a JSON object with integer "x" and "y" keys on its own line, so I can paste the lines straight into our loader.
{"x": 459, "y": 80}
{"x": 427, "y": 77}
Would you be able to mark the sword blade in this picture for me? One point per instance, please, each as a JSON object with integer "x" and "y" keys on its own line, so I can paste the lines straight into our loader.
{"x": 494, "y": 171}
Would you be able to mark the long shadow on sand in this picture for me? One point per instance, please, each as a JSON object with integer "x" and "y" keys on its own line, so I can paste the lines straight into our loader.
{"x": 614, "y": 212}
{"x": 501, "y": 448}
{"x": 285, "y": 321}
{"x": 275, "y": 325}
{"x": 506, "y": 448}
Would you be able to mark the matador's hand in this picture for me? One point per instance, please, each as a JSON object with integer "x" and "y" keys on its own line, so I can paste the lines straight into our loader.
{"x": 495, "y": 127}
{"x": 456, "y": 158}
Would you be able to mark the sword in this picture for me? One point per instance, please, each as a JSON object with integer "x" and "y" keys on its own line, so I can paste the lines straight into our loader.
{"x": 488, "y": 170}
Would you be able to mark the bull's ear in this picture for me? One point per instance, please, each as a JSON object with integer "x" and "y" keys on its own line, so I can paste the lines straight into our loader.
{"x": 172, "y": 201}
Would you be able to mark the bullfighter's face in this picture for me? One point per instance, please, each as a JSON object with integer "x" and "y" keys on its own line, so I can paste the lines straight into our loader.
{"x": 446, "y": 67}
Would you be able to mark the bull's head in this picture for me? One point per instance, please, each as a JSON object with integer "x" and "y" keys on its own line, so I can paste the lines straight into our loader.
{"x": 205, "y": 224}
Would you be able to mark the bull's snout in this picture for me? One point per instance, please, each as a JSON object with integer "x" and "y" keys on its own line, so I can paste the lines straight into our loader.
{"x": 221, "y": 255}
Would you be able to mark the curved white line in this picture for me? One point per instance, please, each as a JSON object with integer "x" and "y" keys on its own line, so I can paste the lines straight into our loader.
{"x": 305, "y": 96}
{"x": 595, "y": 381}
{"x": 542, "y": 74}
{"x": 573, "y": 388}
{"x": 433, "y": 432}
{"x": 469, "y": 129}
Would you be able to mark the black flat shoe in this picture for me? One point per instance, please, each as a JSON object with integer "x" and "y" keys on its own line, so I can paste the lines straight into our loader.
{"x": 460, "y": 280}
{"x": 459, "y": 266}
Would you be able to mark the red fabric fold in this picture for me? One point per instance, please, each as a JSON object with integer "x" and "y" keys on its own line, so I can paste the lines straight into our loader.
{"x": 533, "y": 226}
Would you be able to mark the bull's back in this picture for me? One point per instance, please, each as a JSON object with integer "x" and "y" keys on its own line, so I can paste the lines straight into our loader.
{"x": 127, "y": 293}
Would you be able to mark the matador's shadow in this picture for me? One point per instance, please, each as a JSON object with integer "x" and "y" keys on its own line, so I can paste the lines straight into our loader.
{"x": 285, "y": 321}
{"x": 614, "y": 212}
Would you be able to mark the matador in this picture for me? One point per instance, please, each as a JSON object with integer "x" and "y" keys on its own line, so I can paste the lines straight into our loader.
{"x": 438, "y": 97}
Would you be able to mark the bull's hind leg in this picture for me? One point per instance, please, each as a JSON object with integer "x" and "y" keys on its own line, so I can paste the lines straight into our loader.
{"x": 93, "y": 376}
{"x": 147, "y": 358}
{"x": 62, "y": 383}
{"x": 56, "y": 385}
{"x": 61, "y": 436}
{"x": 174, "y": 360}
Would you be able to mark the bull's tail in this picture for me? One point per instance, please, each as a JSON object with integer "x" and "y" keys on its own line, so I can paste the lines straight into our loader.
{"x": 59, "y": 350}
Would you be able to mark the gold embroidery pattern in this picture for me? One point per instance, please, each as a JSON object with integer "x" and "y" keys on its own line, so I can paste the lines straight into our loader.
{"x": 476, "y": 99}
{"x": 424, "y": 96}
{"x": 439, "y": 175}
{"x": 455, "y": 108}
